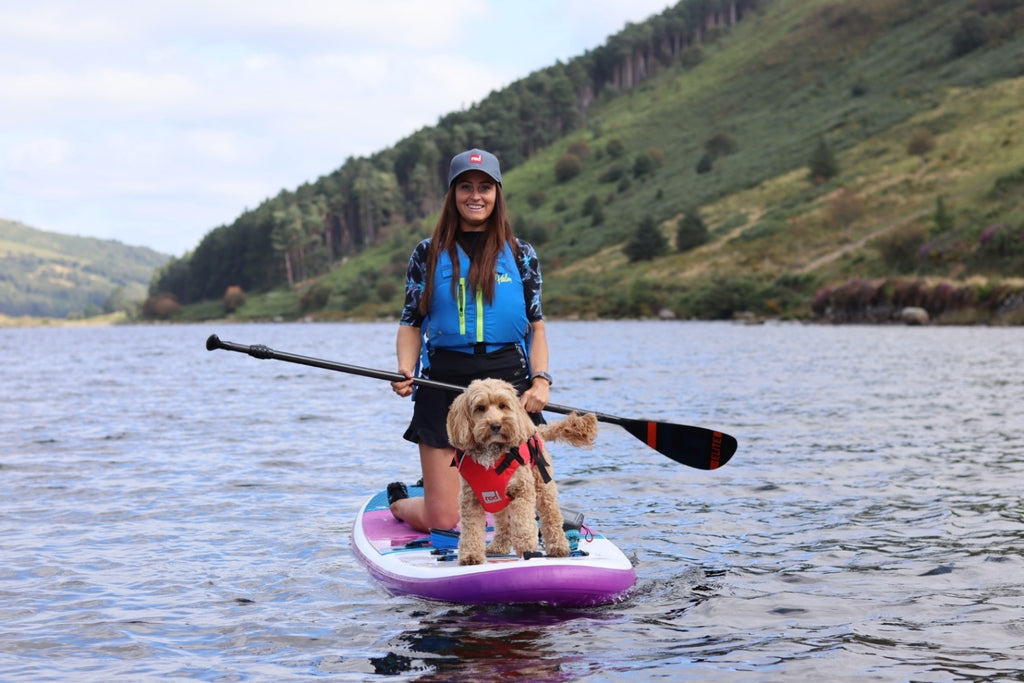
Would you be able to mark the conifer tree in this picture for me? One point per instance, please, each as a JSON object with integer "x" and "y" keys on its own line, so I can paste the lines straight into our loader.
{"x": 823, "y": 165}
{"x": 692, "y": 231}
{"x": 646, "y": 242}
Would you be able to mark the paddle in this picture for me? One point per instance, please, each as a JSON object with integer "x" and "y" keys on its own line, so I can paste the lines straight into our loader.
{"x": 697, "y": 447}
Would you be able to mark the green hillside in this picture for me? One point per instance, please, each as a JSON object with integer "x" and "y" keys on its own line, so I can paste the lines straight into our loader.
{"x": 910, "y": 111}
{"x": 46, "y": 274}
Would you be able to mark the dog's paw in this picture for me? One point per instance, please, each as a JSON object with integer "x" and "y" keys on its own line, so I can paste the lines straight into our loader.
{"x": 499, "y": 548}
{"x": 559, "y": 547}
{"x": 471, "y": 558}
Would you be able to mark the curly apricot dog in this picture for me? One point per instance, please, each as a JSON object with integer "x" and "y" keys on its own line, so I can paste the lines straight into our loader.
{"x": 506, "y": 471}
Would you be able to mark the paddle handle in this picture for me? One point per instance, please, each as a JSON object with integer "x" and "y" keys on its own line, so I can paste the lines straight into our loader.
{"x": 266, "y": 353}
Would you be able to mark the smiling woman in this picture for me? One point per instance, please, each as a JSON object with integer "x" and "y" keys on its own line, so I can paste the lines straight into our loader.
{"x": 472, "y": 310}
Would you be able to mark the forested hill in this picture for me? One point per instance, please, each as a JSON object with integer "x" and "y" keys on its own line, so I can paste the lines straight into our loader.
{"x": 300, "y": 234}
{"x": 721, "y": 156}
{"x": 47, "y": 274}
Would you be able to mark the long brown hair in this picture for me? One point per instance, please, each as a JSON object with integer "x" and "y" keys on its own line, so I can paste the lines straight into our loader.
{"x": 483, "y": 261}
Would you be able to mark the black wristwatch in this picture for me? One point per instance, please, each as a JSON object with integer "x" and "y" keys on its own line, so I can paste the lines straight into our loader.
{"x": 545, "y": 376}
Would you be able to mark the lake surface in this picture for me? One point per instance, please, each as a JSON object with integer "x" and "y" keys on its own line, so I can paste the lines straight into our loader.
{"x": 170, "y": 512}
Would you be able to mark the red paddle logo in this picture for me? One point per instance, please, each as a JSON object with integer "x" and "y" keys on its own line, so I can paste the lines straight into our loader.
{"x": 476, "y": 158}
{"x": 716, "y": 450}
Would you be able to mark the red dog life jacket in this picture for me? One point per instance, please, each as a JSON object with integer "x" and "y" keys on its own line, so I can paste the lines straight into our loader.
{"x": 490, "y": 483}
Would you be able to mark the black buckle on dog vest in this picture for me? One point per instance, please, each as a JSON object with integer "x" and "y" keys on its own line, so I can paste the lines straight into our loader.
{"x": 537, "y": 453}
{"x": 506, "y": 462}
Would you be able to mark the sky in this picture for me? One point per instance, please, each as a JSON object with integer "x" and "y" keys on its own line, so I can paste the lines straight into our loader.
{"x": 154, "y": 122}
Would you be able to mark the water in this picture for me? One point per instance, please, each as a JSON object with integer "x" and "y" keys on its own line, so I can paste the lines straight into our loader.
{"x": 170, "y": 512}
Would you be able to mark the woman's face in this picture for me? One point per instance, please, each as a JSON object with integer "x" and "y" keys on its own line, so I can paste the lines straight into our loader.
{"x": 475, "y": 192}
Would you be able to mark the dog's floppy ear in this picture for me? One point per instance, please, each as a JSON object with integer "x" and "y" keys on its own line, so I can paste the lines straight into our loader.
{"x": 460, "y": 427}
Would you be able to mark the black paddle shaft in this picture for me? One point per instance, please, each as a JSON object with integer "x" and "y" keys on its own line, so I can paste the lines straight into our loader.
{"x": 697, "y": 447}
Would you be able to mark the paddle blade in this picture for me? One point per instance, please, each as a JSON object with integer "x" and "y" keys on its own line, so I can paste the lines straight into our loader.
{"x": 704, "y": 449}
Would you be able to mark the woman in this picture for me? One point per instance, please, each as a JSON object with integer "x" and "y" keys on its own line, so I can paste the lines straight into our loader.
{"x": 472, "y": 310}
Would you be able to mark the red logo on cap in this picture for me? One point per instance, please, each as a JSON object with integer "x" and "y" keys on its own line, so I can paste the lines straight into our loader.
{"x": 476, "y": 158}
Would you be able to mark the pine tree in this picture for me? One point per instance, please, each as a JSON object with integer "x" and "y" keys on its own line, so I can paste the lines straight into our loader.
{"x": 692, "y": 232}
{"x": 646, "y": 241}
{"x": 823, "y": 165}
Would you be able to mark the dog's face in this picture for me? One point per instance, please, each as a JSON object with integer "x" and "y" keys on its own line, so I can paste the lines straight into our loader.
{"x": 487, "y": 414}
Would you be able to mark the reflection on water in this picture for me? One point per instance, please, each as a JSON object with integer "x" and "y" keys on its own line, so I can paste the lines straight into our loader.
{"x": 167, "y": 511}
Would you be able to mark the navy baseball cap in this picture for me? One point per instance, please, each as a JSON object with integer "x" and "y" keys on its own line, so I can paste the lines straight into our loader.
{"x": 474, "y": 160}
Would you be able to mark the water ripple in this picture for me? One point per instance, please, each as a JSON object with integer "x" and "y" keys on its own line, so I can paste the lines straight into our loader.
{"x": 170, "y": 512}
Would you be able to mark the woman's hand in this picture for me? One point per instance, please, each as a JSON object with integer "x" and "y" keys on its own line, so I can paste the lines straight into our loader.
{"x": 537, "y": 396}
{"x": 403, "y": 388}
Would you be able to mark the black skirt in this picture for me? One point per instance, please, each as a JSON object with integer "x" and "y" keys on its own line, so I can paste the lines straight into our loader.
{"x": 430, "y": 408}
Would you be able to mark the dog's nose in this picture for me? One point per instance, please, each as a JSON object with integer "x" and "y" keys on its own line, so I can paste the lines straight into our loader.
{"x": 495, "y": 428}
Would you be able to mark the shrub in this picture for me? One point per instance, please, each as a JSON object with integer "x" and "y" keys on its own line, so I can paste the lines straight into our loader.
{"x": 723, "y": 296}
{"x": 568, "y": 167}
{"x": 581, "y": 149}
{"x": 944, "y": 221}
{"x": 972, "y": 33}
{"x": 1009, "y": 185}
{"x": 234, "y": 298}
{"x": 315, "y": 298}
{"x": 646, "y": 241}
{"x": 691, "y": 57}
{"x": 536, "y": 198}
{"x": 721, "y": 144}
{"x": 613, "y": 174}
{"x": 161, "y": 307}
{"x": 386, "y": 290}
{"x": 1002, "y": 241}
{"x": 644, "y": 164}
{"x": 844, "y": 209}
{"x": 822, "y": 165}
{"x": 899, "y": 248}
{"x": 615, "y": 148}
{"x": 691, "y": 232}
{"x": 705, "y": 164}
{"x": 921, "y": 142}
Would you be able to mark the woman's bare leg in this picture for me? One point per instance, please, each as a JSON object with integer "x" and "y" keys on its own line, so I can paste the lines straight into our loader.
{"x": 439, "y": 506}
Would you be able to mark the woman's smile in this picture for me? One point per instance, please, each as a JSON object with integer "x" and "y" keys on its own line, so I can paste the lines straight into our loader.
{"x": 474, "y": 197}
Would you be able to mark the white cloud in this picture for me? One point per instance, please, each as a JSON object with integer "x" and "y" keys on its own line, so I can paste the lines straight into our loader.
{"x": 154, "y": 122}
{"x": 38, "y": 155}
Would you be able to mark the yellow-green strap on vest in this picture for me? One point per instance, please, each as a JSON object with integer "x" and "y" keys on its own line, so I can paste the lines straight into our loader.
{"x": 479, "y": 316}
{"x": 479, "y": 310}
{"x": 462, "y": 305}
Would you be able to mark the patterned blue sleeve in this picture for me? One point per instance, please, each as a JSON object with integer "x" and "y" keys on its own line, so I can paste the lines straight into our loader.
{"x": 529, "y": 267}
{"x": 415, "y": 277}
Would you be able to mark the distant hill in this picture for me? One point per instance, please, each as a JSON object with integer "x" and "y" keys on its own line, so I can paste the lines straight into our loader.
{"x": 47, "y": 274}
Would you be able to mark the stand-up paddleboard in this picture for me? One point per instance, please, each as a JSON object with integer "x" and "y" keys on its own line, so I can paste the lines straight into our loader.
{"x": 409, "y": 562}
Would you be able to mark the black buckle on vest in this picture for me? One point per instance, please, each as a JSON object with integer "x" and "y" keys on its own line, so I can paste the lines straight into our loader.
{"x": 479, "y": 348}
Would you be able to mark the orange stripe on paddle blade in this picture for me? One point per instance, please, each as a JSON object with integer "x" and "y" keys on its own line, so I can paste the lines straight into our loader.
{"x": 716, "y": 451}
{"x": 652, "y": 434}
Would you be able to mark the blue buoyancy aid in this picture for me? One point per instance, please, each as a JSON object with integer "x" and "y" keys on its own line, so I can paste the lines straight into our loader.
{"x": 461, "y": 321}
